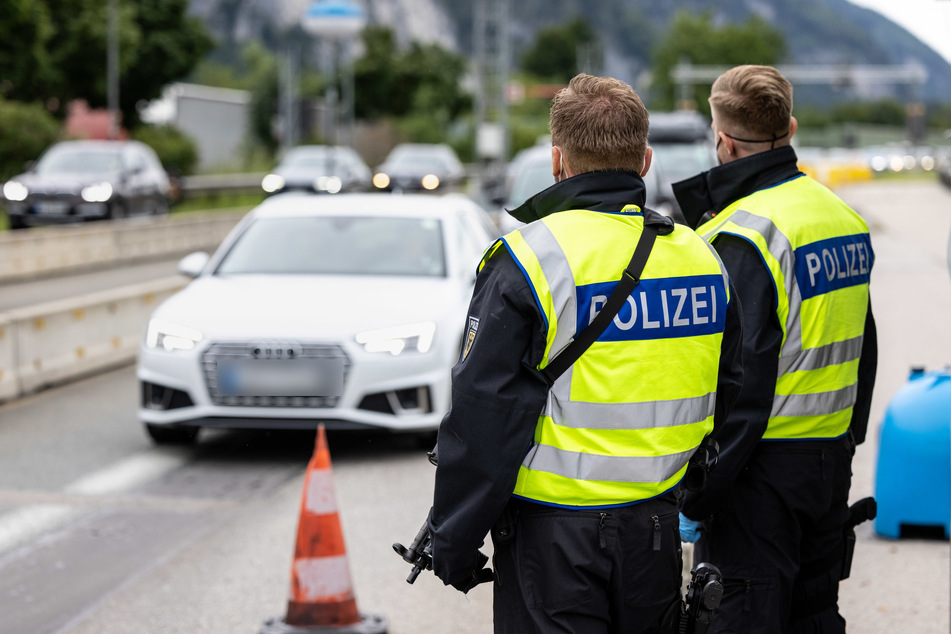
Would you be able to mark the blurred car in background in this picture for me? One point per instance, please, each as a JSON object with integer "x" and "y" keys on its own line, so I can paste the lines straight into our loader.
{"x": 348, "y": 310}
{"x": 319, "y": 168}
{"x": 86, "y": 180}
{"x": 943, "y": 163}
{"x": 529, "y": 172}
{"x": 899, "y": 157}
{"x": 420, "y": 167}
{"x": 683, "y": 147}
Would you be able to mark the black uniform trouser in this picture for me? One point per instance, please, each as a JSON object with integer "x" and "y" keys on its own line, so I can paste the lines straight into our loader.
{"x": 779, "y": 542}
{"x": 588, "y": 571}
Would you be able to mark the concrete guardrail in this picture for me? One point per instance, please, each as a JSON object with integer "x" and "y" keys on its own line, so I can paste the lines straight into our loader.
{"x": 52, "y": 343}
{"x": 54, "y": 250}
{"x": 55, "y": 342}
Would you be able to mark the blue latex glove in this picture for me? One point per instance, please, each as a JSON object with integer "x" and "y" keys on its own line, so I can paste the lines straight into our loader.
{"x": 689, "y": 529}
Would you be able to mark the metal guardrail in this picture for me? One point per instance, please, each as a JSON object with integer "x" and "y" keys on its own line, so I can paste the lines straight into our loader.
{"x": 211, "y": 184}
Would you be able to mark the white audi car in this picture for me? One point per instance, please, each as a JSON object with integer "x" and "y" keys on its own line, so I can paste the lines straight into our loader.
{"x": 347, "y": 310}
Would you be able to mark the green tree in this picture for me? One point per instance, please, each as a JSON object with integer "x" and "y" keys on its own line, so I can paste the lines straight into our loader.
{"x": 881, "y": 112}
{"x": 377, "y": 77}
{"x": 170, "y": 45}
{"x": 695, "y": 39}
{"x": 25, "y": 30}
{"x": 65, "y": 57}
{"x": 561, "y": 52}
{"x": 421, "y": 80}
{"x": 25, "y": 131}
{"x": 262, "y": 81}
{"x": 178, "y": 152}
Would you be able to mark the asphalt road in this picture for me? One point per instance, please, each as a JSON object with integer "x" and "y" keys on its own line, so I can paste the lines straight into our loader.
{"x": 100, "y": 532}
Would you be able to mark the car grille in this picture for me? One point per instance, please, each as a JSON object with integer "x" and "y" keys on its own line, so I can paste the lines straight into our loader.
{"x": 291, "y": 352}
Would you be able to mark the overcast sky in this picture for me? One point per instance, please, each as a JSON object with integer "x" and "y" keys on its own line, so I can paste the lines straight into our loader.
{"x": 928, "y": 20}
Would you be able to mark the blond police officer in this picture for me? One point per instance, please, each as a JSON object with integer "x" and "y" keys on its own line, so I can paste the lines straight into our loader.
{"x": 579, "y": 480}
{"x": 774, "y": 513}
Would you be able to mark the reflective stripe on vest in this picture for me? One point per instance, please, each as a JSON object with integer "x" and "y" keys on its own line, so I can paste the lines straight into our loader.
{"x": 819, "y": 256}
{"x": 621, "y": 423}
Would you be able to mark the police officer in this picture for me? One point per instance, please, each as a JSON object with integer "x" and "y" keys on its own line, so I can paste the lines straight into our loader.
{"x": 578, "y": 480}
{"x": 773, "y": 513}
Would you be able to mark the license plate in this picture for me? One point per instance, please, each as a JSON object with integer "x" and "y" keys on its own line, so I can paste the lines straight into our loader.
{"x": 268, "y": 377}
{"x": 51, "y": 207}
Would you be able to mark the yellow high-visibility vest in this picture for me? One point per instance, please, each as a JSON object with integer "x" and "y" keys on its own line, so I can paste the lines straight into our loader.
{"x": 621, "y": 423}
{"x": 819, "y": 256}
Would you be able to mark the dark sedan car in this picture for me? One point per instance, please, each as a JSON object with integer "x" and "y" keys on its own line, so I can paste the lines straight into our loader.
{"x": 420, "y": 167}
{"x": 87, "y": 180}
{"x": 319, "y": 169}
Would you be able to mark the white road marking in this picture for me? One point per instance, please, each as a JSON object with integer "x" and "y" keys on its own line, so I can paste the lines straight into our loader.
{"x": 19, "y": 525}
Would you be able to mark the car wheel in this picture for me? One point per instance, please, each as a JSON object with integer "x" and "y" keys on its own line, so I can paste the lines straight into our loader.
{"x": 160, "y": 208}
{"x": 16, "y": 222}
{"x": 116, "y": 210}
{"x": 172, "y": 434}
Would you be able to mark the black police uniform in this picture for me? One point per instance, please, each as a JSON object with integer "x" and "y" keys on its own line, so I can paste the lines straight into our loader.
{"x": 775, "y": 510}
{"x": 553, "y": 566}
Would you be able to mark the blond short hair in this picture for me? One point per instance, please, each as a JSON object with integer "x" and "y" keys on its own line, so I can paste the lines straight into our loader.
{"x": 753, "y": 100}
{"x": 600, "y": 124}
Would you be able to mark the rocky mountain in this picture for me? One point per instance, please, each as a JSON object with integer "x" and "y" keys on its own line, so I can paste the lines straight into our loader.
{"x": 816, "y": 31}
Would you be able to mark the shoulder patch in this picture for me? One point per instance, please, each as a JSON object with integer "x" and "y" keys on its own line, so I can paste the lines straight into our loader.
{"x": 471, "y": 331}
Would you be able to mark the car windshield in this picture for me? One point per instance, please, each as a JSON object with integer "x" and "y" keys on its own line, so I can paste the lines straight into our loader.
{"x": 79, "y": 161}
{"x": 338, "y": 245}
{"x": 678, "y": 161}
{"x": 419, "y": 161}
{"x": 316, "y": 161}
{"x": 532, "y": 178}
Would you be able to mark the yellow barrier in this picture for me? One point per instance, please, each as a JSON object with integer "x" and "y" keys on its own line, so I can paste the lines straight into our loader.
{"x": 833, "y": 172}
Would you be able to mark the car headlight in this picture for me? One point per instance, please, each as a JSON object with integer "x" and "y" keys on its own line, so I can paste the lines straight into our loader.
{"x": 329, "y": 184}
{"x": 15, "y": 191}
{"x": 430, "y": 181}
{"x": 272, "y": 182}
{"x": 98, "y": 193}
{"x": 381, "y": 180}
{"x": 398, "y": 339}
{"x": 169, "y": 336}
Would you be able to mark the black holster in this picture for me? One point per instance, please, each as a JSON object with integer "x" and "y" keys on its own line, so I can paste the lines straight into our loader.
{"x": 864, "y": 509}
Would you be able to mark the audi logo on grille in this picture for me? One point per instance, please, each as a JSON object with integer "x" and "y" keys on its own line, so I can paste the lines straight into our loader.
{"x": 276, "y": 350}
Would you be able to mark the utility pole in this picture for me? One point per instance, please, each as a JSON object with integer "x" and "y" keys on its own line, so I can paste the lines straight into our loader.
{"x": 112, "y": 69}
{"x": 491, "y": 42}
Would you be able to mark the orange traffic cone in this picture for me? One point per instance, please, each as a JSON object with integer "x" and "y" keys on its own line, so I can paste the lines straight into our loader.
{"x": 321, "y": 596}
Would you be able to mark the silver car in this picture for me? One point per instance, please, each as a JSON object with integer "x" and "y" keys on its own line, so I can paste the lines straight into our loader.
{"x": 320, "y": 169}
{"x": 420, "y": 167}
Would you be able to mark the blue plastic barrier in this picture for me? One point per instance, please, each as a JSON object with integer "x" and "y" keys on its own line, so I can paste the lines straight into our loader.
{"x": 913, "y": 477}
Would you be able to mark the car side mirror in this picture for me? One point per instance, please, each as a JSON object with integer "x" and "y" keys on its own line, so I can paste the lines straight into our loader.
{"x": 193, "y": 264}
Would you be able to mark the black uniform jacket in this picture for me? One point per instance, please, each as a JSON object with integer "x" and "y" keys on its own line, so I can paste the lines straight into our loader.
{"x": 701, "y": 197}
{"x": 497, "y": 393}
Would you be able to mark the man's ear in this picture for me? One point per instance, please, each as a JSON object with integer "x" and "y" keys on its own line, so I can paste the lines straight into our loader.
{"x": 793, "y": 126}
{"x": 728, "y": 145}
{"x": 648, "y": 157}
{"x": 557, "y": 162}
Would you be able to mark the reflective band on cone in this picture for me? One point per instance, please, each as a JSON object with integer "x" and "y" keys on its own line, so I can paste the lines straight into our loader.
{"x": 321, "y": 594}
